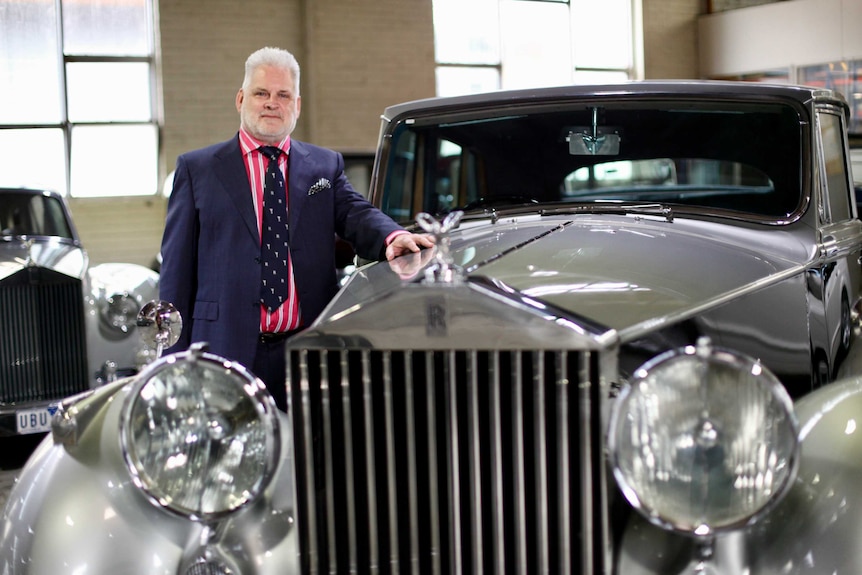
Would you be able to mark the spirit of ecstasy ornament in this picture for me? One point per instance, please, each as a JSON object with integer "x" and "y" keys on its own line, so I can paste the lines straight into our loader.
{"x": 443, "y": 270}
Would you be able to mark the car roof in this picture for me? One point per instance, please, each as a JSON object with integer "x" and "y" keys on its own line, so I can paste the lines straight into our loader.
{"x": 668, "y": 88}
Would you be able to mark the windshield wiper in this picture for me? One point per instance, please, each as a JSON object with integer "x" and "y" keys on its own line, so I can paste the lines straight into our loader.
{"x": 653, "y": 209}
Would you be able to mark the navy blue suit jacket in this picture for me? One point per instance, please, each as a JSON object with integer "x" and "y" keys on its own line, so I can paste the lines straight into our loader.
{"x": 211, "y": 246}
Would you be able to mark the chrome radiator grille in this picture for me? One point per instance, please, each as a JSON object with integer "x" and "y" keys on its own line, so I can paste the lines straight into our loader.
{"x": 43, "y": 352}
{"x": 443, "y": 461}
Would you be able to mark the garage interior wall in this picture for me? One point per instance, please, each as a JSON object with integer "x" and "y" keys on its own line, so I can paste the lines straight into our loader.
{"x": 357, "y": 57}
{"x": 747, "y": 41}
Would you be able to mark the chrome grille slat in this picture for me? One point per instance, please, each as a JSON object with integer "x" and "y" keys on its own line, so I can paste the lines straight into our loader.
{"x": 436, "y": 536}
{"x": 349, "y": 468}
{"x": 450, "y": 461}
{"x": 453, "y": 483}
{"x": 496, "y": 453}
{"x": 475, "y": 472}
{"x": 371, "y": 464}
{"x": 565, "y": 495}
{"x": 390, "y": 462}
{"x": 540, "y": 445}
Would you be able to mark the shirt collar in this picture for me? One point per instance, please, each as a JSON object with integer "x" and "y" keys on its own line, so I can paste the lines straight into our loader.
{"x": 249, "y": 143}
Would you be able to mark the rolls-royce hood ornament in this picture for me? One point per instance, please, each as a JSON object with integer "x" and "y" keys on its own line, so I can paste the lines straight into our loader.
{"x": 443, "y": 270}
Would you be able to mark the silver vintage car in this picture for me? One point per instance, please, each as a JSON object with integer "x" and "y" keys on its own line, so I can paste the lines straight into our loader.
{"x": 631, "y": 351}
{"x": 66, "y": 326}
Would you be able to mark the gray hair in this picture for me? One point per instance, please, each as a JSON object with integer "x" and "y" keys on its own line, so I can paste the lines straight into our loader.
{"x": 276, "y": 57}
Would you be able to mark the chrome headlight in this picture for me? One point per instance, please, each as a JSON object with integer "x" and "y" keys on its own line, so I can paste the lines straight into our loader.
{"x": 119, "y": 313}
{"x": 200, "y": 435}
{"x": 703, "y": 440}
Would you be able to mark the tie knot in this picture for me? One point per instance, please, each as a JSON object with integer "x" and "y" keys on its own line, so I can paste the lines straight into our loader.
{"x": 271, "y": 152}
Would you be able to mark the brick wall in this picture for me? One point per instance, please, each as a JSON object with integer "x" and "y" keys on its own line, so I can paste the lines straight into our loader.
{"x": 357, "y": 57}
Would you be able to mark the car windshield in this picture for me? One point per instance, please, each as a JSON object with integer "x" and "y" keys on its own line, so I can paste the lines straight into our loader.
{"x": 733, "y": 158}
{"x": 32, "y": 214}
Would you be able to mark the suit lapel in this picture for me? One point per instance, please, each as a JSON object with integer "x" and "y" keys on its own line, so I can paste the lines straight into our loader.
{"x": 297, "y": 187}
{"x": 230, "y": 170}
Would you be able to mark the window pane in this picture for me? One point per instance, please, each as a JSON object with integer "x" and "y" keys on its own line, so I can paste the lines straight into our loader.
{"x": 33, "y": 158}
{"x": 536, "y": 44}
{"x": 599, "y": 77}
{"x": 97, "y": 171}
{"x": 456, "y": 81}
{"x": 29, "y": 61}
{"x": 833, "y": 156}
{"x": 601, "y": 33}
{"x": 106, "y": 27}
{"x": 466, "y": 32}
{"x": 93, "y": 98}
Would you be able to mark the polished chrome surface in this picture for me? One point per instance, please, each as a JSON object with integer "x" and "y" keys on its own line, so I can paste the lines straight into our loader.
{"x": 460, "y": 460}
{"x": 200, "y": 435}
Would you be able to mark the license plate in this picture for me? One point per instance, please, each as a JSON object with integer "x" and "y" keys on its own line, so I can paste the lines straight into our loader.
{"x": 34, "y": 420}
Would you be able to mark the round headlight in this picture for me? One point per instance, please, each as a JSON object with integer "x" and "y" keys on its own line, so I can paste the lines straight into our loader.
{"x": 200, "y": 435}
{"x": 119, "y": 313}
{"x": 703, "y": 440}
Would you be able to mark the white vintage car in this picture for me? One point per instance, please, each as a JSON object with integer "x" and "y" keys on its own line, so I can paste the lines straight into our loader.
{"x": 67, "y": 326}
{"x": 633, "y": 350}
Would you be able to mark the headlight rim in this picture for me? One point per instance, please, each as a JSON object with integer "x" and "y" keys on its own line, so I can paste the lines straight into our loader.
{"x": 655, "y": 516}
{"x": 264, "y": 406}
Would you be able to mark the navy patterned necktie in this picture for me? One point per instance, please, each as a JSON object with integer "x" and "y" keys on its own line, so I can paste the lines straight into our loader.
{"x": 273, "y": 233}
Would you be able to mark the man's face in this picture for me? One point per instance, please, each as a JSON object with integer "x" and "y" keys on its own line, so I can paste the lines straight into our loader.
{"x": 269, "y": 107}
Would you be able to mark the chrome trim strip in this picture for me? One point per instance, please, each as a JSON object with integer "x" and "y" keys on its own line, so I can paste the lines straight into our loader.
{"x": 391, "y": 488}
{"x": 564, "y": 463}
{"x": 540, "y": 421}
{"x": 586, "y": 468}
{"x": 433, "y": 466}
{"x": 412, "y": 482}
{"x": 326, "y": 414}
{"x": 496, "y": 436}
{"x": 313, "y": 544}
{"x": 474, "y": 456}
{"x": 370, "y": 461}
{"x": 521, "y": 565}
{"x": 639, "y": 330}
{"x": 349, "y": 468}
{"x": 455, "y": 530}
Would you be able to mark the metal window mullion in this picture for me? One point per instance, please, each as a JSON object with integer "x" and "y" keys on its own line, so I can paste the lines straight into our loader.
{"x": 391, "y": 476}
{"x": 496, "y": 453}
{"x": 349, "y": 471}
{"x": 451, "y": 383}
{"x": 563, "y": 465}
{"x": 326, "y": 431}
{"x": 518, "y": 464}
{"x": 308, "y": 447}
{"x": 433, "y": 466}
{"x": 475, "y": 471}
{"x": 370, "y": 463}
{"x": 412, "y": 490}
{"x": 541, "y": 468}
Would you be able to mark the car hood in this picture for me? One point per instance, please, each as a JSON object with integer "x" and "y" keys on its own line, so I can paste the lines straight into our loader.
{"x": 57, "y": 254}
{"x": 620, "y": 272}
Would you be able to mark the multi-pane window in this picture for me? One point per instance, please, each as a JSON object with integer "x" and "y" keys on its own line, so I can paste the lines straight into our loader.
{"x": 79, "y": 115}
{"x": 484, "y": 45}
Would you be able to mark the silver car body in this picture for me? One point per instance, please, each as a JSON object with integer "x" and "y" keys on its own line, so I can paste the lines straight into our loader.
{"x": 450, "y": 410}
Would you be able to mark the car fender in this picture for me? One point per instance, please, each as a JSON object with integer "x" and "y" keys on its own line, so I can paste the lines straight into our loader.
{"x": 101, "y": 522}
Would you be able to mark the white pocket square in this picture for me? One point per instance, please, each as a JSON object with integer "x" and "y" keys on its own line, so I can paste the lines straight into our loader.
{"x": 318, "y": 186}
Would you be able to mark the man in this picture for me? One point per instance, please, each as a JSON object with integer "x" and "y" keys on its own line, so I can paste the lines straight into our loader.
{"x": 212, "y": 253}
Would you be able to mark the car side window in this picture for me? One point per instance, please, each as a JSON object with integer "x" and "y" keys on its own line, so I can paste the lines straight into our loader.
{"x": 837, "y": 194}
